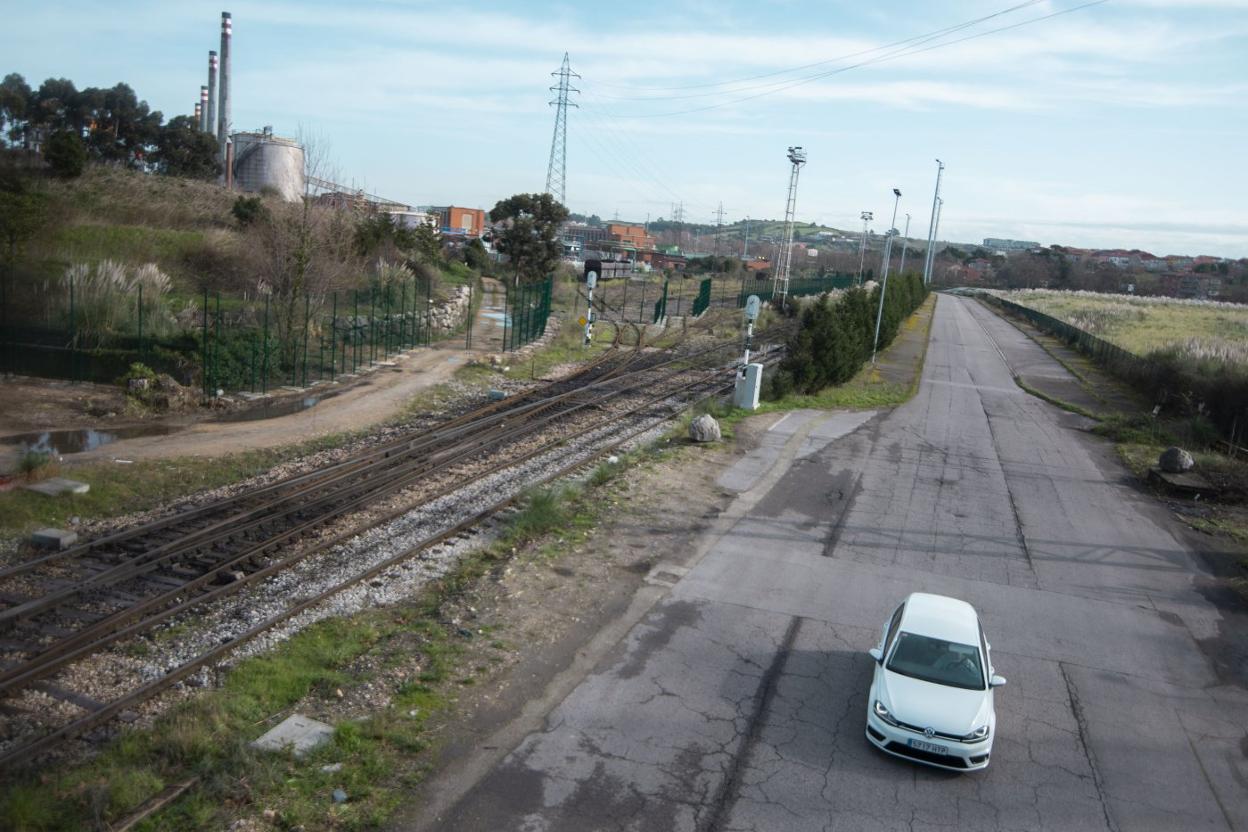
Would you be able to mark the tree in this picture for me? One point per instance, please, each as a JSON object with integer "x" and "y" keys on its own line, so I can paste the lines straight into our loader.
{"x": 182, "y": 149}
{"x": 426, "y": 243}
{"x": 16, "y": 101}
{"x": 476, "y": 256}
{"x": 22, "y": 213}
{"x": 530, "y": 238}
{"x": 66, "y": 154}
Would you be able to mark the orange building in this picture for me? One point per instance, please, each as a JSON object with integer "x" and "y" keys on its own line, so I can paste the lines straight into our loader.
{"x": 630, "y": 236}
{"x": 455, "y": 221}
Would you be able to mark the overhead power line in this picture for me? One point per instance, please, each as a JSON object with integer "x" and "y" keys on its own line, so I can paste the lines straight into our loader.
{"x": 899, "y": 53}
{"x": 905, "y": 41}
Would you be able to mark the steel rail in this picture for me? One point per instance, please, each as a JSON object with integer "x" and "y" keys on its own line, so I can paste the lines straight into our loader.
{"x": 49, "y": 659}
{"x": 29, "y": 751}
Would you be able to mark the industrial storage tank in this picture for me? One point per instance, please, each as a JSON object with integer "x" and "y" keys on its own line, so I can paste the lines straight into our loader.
{"x": 262, "y": 160}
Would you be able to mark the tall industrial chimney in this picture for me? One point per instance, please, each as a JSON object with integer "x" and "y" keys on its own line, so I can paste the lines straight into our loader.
{"x": 201, "y": 109}
{"x": 199, "y": 114}
{"x": 210, "y": 116}
{"x": 223, "y": 114}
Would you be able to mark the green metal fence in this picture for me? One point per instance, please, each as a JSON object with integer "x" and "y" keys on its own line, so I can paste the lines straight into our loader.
{"x": 799, "y": 287}
{"x": 1109, "y": 354}
{"x": 216, "y": 341}
{"x": 660, "y": 305}
{"x": 527, "y": 311}
{"x": 703, "y": 301}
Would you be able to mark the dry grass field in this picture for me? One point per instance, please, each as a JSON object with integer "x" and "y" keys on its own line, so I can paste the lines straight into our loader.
{"x": 1199, "y": 329}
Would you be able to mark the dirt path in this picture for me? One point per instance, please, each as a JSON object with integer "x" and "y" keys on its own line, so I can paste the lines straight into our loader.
{"x": 379, "y": 396}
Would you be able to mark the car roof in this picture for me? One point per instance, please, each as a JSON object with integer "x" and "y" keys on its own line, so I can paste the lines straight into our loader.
{"x": 941, "y": 617}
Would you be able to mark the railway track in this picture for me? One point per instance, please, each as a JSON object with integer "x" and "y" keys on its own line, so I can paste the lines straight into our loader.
{"x": 61, "y": 608}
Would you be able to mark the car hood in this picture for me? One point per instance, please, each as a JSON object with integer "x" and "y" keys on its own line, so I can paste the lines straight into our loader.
{"x": 922, "y": 704}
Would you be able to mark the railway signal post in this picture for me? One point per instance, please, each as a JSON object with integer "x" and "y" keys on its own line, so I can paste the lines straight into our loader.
{"x": 750, "y": 379}
{"x": 592, "y": 269}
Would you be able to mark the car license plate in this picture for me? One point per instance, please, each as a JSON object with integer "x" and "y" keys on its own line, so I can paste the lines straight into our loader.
{"x": 929, "y": 746}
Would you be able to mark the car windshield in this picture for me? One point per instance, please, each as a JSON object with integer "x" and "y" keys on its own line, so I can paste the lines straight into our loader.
{"x": 934, "y": 660}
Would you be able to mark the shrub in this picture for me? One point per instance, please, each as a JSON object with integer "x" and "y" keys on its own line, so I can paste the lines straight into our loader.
{"x": 37, "y": 464}
{"x": 836, "y": 334}
{"x": 248, "y": 209}
{"x": 66, "y": 154}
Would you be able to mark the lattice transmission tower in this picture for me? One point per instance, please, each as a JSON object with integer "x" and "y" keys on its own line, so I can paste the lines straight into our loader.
{"x": 797, "y": 157}
{"x": 557, "y": 169}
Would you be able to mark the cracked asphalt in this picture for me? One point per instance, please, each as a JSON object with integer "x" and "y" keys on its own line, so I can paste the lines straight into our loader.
{"x": 738, "y": 702}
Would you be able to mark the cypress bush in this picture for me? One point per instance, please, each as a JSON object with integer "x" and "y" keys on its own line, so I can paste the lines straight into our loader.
{"x": 836, "y": 334}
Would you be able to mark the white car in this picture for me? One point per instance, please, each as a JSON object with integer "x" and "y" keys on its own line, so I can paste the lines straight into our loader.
{"x": 931, "y": 695}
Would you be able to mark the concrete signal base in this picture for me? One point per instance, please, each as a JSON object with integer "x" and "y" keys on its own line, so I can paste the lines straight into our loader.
{"x": 745, "y": 394}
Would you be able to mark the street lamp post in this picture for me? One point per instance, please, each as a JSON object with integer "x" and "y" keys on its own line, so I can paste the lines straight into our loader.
{"x": 905, "y": 241}
{"x": 867, "y": 216}
{"x": 888, "y": 245}
{"x": 879, "y": 314}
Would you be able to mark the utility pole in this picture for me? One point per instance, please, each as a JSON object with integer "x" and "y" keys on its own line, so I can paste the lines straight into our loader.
{"x": 905, "y": 241}
{"x": 745, "y": 251}
{"x": 867, "y": 216}
{"x": 931, "y": 228}
{"x": 557, "y": 168}
{"x": 888, "y": 257}
{"x": 940, "y": 206}
{"x": 797, "y": 158}
{"x": 719, "y": 222}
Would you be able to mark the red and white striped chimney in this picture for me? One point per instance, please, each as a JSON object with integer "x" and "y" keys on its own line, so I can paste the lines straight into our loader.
{"x": 201, "y": 109}
{"x": 223, "y": 113}
{"x": 210, "y": 115}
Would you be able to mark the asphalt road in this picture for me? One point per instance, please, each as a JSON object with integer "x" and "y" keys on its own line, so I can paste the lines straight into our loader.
{"x": 739, "y": 702}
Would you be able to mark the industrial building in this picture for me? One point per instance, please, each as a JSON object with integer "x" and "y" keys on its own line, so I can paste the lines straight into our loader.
{"x": 454, "y": 221}
{"x": 263, "y": 161}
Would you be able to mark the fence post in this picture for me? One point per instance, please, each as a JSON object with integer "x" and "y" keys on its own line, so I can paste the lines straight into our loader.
{"x": 355, "y": 333}
{"x": 253, "y": 362}
{"x": 140, "y": 322}
{"x": 507, "y": 311}
{"x": 333, "y": 338}
{"x": 216, "y": 347}
{"x": 641, "y": 307}
{"x": 306, "y": 309}
{"x": 264, "y": 345}
{"x": 429, "y": 311}
{"x": 204, "y": 336}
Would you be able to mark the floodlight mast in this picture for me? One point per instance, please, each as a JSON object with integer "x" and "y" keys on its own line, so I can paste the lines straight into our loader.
{"x": 867, "y": 216}
{"x": 797, "y": 157}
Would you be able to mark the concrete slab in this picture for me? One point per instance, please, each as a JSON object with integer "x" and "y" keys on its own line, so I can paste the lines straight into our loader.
{"x": 1187, "y": 482}
{"x": 297, "y": 733}
{"x": 53, "y": 539}
{"x": 56, "y": 486}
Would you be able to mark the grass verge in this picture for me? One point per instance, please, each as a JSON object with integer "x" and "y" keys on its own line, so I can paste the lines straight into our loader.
{"x": 120, "y": 489}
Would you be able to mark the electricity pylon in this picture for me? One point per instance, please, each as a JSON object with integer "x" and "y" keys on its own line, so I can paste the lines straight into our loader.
{"x": 557, "y": 169}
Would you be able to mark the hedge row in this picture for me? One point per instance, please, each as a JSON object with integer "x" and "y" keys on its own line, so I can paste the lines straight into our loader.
{"x": 837, "y": 332}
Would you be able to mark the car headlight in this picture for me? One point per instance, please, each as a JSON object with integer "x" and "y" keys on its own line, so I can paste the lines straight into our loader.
{"x": 883, "y": 713}
{"x": 978, "y": 735}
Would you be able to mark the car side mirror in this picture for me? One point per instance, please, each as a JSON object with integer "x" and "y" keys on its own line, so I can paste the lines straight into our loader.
{"x": 878, "y": 654}
{"x": 996, "y": 681}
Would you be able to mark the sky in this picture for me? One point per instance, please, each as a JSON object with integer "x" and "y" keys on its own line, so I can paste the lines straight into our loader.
{"x": 1119, "y": 124}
